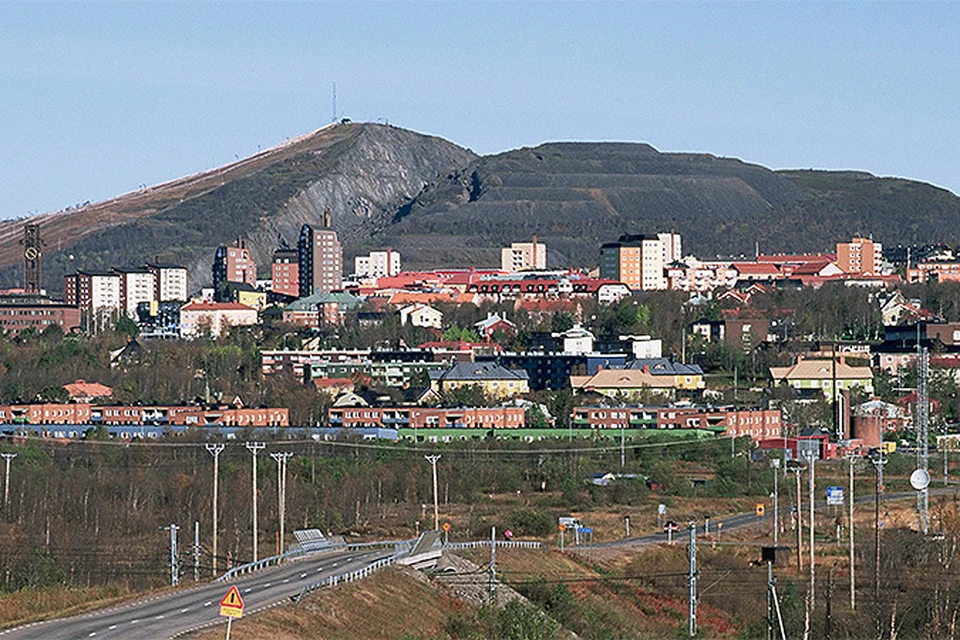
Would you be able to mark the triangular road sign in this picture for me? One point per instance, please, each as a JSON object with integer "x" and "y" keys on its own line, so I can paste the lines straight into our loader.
{"x": 232, "y": 604}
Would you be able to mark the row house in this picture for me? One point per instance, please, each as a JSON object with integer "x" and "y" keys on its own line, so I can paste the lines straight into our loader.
{"x": 320, "y": 309}
{"x": 755, "y": 423}
{"x": 87, "y": 414}
{"x": 427, "y": 417}
{"x": 937, "y": 271}
{"x": 214, "y": 318}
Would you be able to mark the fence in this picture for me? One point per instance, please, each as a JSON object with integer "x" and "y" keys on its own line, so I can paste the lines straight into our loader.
{"x": 297, "y": 553}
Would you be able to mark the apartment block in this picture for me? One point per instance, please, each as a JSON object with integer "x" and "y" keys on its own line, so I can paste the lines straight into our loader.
{"x": 637, "y": 261}
{"x": 285, "y": 272}
{"x": 136, "y": 285}
{"x": 169, "y": 281}
{"x": 523, "y": 256}
{"x": 233, "y": 264}
{"x": 860, "y": 255}
{"x": 377, "y": 264}
{"x": 320, "y": 259}
{"x": 96, "y": 293}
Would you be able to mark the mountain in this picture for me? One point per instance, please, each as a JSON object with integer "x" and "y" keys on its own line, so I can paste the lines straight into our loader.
{"x": 441, "y": 205}
{"x": 361, "y": 173}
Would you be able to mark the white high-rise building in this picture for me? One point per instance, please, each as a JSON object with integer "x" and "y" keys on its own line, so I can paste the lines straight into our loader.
{"x": 136, "y": 286}
{"x": 378, "y": 264}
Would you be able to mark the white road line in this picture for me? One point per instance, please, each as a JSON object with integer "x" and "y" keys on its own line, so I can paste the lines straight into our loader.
{"x": 184, "y": 610}
{"x": 135, "y": 621}
{"x": 159, "y": 617}
{"x": 112, "y": 627}
{"x": 207, "y": 604}
{"x": 267, "y": 586}
{"x": 286, "y": 581}
{"x": 248, "y": 590}
{"x": 92, "y": 633}
{"x": 303, "y": 575}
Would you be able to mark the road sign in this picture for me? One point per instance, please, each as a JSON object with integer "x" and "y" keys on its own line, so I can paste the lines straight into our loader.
{"x": 445, "y": 526}
{"x": 562, "y": 527}
{"x": 232, "y": 604}
{"x": 567, "y": 521}
{"x": 759, "y": 509}
{"x": 835, "y": 496}
{"x": 586, "y": 530}
{"x": 661, "y": 509}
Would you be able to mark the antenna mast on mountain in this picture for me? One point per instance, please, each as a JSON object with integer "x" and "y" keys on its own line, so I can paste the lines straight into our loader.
{"x": 334, "y": 117}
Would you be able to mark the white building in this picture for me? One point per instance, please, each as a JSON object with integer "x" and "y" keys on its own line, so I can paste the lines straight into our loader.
{"x": 199, "y": 318}
{"x": 421, "y": 315}
{"x": 378, "y": 264}
{"x": 576, "y": 339}
{"x": 170, "y": 282}
{"x": 136, "y": 286}
{"x": 522, "y": 256}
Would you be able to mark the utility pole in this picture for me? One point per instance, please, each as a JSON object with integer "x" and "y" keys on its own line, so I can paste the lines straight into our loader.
{"x": 853, "y": 593}
{"x": 255, "y": 448}
{"x": 215, "y": 450}
{"x": 174, "y": 568}
{"x": 493, "y": 564}
{"x": 692, "y": 613}
{"x": 436, "y": 507}
{"x": 7, "y": 457}
{"x": 878, "y": 464}
{"x": 923, "y": 433}
{"x": 812, "y": 466}
{"x": 775, "y": 463}
{"x": 281, "y": 459}
{"x": 799, "y": 511}
{"x": 196, "y": 551}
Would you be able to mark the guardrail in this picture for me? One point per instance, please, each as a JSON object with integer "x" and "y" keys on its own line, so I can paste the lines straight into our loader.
{"x": 344, "y": 578}
{"x": 505, "y": 544}
{"x": 297, "y": 553}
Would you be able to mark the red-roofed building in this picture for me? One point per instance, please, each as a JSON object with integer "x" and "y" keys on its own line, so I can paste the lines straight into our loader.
{"x": 83, "y": 391}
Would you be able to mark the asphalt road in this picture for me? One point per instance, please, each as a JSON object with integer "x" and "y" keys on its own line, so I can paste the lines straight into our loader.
{"x": 185, "y": 610}
{"x": 748, "y": 519}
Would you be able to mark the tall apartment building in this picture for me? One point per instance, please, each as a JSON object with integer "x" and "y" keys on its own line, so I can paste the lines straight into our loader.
{"x": 96, "y": 293}
{"x": 233, "y": 264}
{"x": 637, "y": 261}
{"x": 860, "y": 255}
{"x": 320, "y": 259}
{"x": 520, "y": 256}
{"x": 136, "y": 285}
{"x": 672, "y": 247}
{"x": 377, "y": 264}
{"x": 285, "y": 272}
{"x": 169, "y": 282}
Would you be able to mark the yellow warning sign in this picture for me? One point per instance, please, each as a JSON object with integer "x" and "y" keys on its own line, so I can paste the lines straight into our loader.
{"x": 232, "y": 604}
{"x": 759, "y": 509}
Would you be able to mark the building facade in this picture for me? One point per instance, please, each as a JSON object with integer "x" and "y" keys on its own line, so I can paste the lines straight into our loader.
{"x": 169, "y": 281}
{"x": 320, "y": 259}
{"x": 637, "y": 261}
{"x": 136, "y": 286}
{"x": 523, "y": 256}
{"x": 285, "y": 273}
{"x": 233, "y": 264}
{"x": 377, "y": 264}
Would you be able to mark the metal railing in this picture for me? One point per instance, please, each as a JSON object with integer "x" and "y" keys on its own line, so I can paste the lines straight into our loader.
{"x": 503, "y": 544}
{"x": 343, "y": 578}
{"x": 298, "y": 553}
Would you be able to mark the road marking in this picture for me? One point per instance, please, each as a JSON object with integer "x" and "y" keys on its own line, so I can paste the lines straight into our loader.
{"x": 303, "y": 575}
{"x": 207, "y": 604}
{"x": 267, "y": 586}
{"x": 286, "y": 581}
{"x": 184, "y": 610}
{"x": 135, "y": 621}
{"x": 92, "y": 633}
{"x": 248, "y": 590}
{"x": 159, "y": 617}
{"x": 112, "y": 627}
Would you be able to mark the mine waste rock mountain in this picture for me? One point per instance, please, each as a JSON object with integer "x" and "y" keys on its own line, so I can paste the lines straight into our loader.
{"x": 439, "y": 204}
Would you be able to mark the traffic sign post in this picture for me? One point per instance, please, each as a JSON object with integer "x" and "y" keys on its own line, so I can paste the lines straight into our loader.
{"x": 446, "y": 532}
{"x": 561, "y": 527}
{"x": 231, "y": 606}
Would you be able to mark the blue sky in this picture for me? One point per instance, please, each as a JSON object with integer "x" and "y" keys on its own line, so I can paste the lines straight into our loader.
{"x": 98, "y": 98}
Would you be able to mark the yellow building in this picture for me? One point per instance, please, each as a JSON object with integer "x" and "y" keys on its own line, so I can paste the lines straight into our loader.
{"x": 494, "y": 380}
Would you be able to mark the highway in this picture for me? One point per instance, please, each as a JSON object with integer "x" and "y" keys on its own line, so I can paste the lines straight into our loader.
{"x": 176, "y": 613}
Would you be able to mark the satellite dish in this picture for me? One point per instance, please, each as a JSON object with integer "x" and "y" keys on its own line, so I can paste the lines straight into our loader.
{"x": 919, "y": 479}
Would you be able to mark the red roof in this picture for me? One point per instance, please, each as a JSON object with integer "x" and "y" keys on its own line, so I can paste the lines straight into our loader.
{"x": 84, "y": 389}
{"x": 757, "y": 268}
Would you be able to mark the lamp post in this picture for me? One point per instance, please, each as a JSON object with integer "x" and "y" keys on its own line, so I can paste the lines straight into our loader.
{"x": 281, "y": 459}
